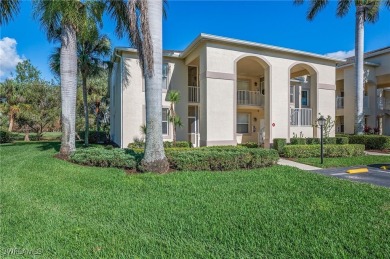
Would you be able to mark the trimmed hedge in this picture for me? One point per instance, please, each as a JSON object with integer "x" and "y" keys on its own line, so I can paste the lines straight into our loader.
{"x": 5, "y": 137}
{"x": 313, "y": 141}
{"x": 214, "y": 159}
{"x": 249, "y": 145}
{"x": 102, "y": 157}
{"x": 167, "y": 144}
{"x": 95, "y": 136}
{"x": 297, "y": 141}
{"x": 303, "y": 151}
{"x": 342, "y": 140}
{"x": 371, "y": 141}
{"x": 279, "y": 144}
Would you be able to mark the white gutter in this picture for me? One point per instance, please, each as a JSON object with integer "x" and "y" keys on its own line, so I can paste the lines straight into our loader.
{"x": 353, "y": 63}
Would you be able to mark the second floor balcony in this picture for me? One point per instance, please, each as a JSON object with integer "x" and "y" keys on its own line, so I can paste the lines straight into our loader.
{"x": 366, "y": 103}
{"x": 252, "y": 98}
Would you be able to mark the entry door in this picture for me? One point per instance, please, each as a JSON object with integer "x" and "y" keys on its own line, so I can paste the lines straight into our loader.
{"x": 193, "y": 125}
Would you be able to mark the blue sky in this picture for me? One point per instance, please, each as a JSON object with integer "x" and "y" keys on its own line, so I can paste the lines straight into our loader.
{"x": 278, "y": 23}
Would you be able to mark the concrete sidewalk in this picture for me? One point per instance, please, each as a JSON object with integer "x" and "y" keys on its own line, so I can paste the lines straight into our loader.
{"x": 297, "y": 165}
{"x": 375, "y": 153}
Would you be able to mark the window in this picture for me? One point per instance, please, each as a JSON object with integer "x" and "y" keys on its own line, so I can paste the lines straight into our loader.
{"x": 292, "y": 94}
{"x": 165, "y": 121}
{"x": 305, "y": 98}
{"x": 192, "y": 76}
{"x": 243, "y": 120}
{"x": 165, "y": 73}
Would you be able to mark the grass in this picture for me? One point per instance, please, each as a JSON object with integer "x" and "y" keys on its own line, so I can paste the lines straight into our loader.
{"x": 344, "y": 161}
{"x": 66, "y": 210}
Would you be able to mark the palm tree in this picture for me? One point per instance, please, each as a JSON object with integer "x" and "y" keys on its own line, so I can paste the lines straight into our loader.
{"x": 14, "y": 100}
{"x": 366, "y": 10}
{"x": 91, "y": 48}
{"x": 67, "y": 17}
{"x": 146, "y": 36}
{"x": 174, "y": 97}
{"x": 8, "y": 9}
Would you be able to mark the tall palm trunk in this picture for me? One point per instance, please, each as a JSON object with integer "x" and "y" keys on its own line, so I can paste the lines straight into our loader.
{"x": 86, "y": 113}
{"x": 359, "y": 68}
{"x": 68, "y": 73}
{"x": 154, "y": 157}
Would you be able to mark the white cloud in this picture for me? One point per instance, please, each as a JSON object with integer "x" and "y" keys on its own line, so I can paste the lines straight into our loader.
{"x": 341, "y": 54}
{"x": 9, "y": 57}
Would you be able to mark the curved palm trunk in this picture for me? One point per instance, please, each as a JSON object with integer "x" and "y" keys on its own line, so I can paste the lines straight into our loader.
{"x": 68, "y": 73}
{"x": 359, "y": 69}
{"x": 86, "y": 113}
{"x": 154, "y": 157}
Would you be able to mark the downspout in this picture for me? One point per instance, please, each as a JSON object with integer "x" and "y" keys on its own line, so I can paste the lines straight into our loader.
{"x": 121, "y": 89}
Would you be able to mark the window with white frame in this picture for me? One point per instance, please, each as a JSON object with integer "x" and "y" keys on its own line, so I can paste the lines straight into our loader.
{"x": 305, "y": 99}
{"x": 165, "y": 121}
{"x": 243, "y": 85}
{"x": 243, "y": 120}
{"x": 165, "y": 73}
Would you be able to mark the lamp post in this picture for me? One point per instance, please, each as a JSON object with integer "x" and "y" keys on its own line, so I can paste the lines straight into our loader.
{"x": 321, "y": 122}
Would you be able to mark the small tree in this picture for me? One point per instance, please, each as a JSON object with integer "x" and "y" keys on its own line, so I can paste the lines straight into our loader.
{"x": 328, "y": 125}
{"x": 174, "y": 97}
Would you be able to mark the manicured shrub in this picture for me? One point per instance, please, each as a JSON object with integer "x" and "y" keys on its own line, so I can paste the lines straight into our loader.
{"x": 167, "y": 144}
{"x": 249, "y": 145}
{"x": 342, "y": 140}
{"x": 221, "y": 159}
{"x": 97, "y": 156}
{"x": 5, "y": 137}
{"x": 330, "y": 140}
{"x": 313, "y": 141}
{"x": 95, "y": 137}
{"x": 371, "y": 141}
{"x": 179, "y": 144}
{"x": 297, "y": 141}
{"x": 298, "y": 151}
{"x": 279, "y": 144}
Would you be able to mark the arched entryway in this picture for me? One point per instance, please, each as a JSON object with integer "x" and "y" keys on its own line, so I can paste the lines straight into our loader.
{"x": 303, "y": 107}
{"x": 252, "y": 100}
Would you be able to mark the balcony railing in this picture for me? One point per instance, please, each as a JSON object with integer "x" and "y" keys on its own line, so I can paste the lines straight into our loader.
{"x": 245, "y": 97}
{"x": 339, "y": 102}
{"x": 301, "y": 117}
{"x": 193, "y": 94}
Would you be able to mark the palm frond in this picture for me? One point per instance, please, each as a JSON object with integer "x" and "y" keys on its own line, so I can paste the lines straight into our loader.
{"x": 372, "y": 11}
{"x": 8, "y": 9}
{"x": 343, "y": 7}
{"x": 315, "y": 7}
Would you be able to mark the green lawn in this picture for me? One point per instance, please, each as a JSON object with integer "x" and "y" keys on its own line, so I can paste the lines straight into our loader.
{"x": 344, "y": 161}
{"x": 45, "y": 136}
{"x": 67, "y": 210}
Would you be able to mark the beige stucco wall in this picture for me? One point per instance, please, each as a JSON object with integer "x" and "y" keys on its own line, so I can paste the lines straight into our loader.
{"x": 377, "y": 77}
{"x": 218, "y": 92}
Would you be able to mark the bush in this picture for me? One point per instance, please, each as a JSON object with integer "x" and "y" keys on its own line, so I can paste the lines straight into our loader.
{"x": 342, "y": 140}
{"x": 249, "y": 145}
{"x": 279, "y": 144}
{"x": 221, "y": 159}
{"x": 97, "y": 156}
{"x": 95, "y": 137}
{"x": 297, "y": 141}
{"x": 5, "y": 137}
{"x": 179, "y": 144}
{"x": 330, "y": 140}
{"x": 313, "y": 141}
{"x": 167, "y": 144}
{"x": 303, "y": 151}
{"x": 371, "y": 141}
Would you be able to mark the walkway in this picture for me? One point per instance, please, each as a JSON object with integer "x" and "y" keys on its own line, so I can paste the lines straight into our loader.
{"x": 375, "y": 175}
{"x": 375, "y": 153}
